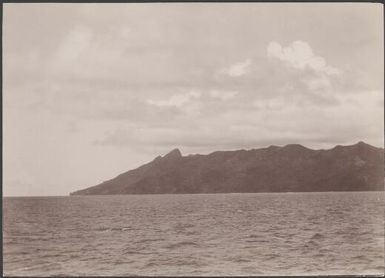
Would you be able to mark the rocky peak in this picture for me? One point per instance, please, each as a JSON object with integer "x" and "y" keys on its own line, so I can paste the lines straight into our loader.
{"x": 175, "y": 153}
{"x": 362, "y": 144}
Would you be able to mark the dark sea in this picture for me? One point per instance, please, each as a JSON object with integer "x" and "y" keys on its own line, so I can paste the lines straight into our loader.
{"x": 197, "y": 234}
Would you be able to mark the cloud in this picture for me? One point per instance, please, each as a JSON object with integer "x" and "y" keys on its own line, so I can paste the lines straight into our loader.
{"x": 273, "y": 121}
{"x": 76, "y": 43}
{"x": 271, "y": 104}
{"x": 238, "y": 69}
{"x": 223, "y": 95}
{"x": 300, "y": 56}
{"x": 140, "y": 88}
{"x": 317, "y": 83}
{"x": 176, "y": 100}
{"x": 268, "y": 121}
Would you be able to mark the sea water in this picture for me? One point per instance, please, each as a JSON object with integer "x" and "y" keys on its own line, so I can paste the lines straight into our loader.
{"x": 195, "y": 234}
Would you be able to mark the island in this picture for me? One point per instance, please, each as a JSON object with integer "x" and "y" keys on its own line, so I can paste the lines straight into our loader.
{"x": 290, "y": 168}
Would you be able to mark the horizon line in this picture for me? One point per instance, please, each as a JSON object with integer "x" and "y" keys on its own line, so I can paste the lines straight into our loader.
{"x": 198, "y": 193}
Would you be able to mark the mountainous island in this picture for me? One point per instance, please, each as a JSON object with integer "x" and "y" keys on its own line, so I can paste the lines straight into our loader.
{"x": 292, "y": 168}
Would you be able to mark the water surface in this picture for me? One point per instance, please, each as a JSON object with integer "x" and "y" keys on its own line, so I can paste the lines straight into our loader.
{"x": 197, "y": 234}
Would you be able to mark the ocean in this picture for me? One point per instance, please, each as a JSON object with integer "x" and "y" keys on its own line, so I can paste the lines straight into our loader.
{"x": 195, "y": 234}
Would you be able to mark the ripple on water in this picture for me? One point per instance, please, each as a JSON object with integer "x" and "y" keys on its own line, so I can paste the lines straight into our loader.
{"x": 317, "y": 236}
{"x": 181, "y": 244}
{"x": 275, "y": 234}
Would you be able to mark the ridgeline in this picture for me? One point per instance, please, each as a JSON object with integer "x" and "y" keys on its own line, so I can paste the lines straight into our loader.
{"x": 292, "y": 168}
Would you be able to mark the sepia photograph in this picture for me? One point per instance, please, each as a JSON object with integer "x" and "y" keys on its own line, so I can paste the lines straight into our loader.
{"x": 193, "y": 139}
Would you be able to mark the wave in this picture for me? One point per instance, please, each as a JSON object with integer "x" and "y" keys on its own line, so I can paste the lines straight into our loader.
{"x": 115, "y": 229}
{"x": 317, "y": 236}
{"x": 135, "y": 252}
{"x": 181, "y": 244}
{"x": 257, "y": 240}
{"x": 148, "y": 240}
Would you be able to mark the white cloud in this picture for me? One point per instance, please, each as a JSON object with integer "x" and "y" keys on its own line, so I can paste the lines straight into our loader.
{"x": 223, "y": 95}
{"x": 318, "y": 83}
{"x": 275, "y": 121}
{"x": 77, "y": 41}
{"x": 176, "y": 100}
{"x": 301, "y": 56}
{"x": 238, "y": 69}
{"x": 270, "y": 104}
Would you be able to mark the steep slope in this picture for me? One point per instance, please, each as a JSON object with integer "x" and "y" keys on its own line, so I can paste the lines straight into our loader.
{"x": 291, "y": 168}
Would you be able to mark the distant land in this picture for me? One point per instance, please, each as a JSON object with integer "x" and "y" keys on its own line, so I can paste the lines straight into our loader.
{"x": 292, "y": 168}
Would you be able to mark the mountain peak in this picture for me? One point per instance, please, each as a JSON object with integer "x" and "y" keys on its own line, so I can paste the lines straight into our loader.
{"x": 361, "y": 143}
{"x": 362, "y": 146}
{"x": 175, "y": 153}
{"x": 295, "y": 147}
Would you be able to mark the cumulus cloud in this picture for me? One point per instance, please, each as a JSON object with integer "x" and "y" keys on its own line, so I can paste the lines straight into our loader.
{"x": 176, "y": 100}
{"x": 317, "y": 83}
{"x": 223, "y": 95}
{"x": 300, "y": 55}
{"x": 73, "y": 45}
{"x": 271, "y": 104}
{"x": 274, "y": 121}
{"x": 238, "y": 69}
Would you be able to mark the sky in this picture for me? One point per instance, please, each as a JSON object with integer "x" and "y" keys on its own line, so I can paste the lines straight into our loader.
{"x": 93, "y": 90}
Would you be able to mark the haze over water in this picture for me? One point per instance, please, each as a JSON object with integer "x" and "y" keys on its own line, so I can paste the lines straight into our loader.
{"x": 202, "y": 234}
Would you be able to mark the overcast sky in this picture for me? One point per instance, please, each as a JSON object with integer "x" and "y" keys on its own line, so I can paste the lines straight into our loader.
{"x": 93, "y": 90}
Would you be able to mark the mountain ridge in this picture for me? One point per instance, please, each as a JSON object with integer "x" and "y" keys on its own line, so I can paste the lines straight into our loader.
{"x": 293, "y": 167}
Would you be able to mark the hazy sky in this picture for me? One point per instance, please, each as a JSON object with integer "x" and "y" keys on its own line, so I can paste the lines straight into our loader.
{"x": 93, "y": 90}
